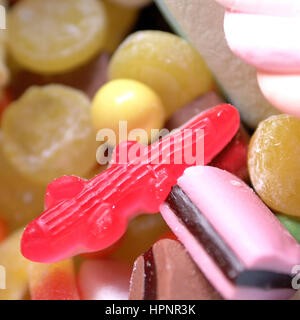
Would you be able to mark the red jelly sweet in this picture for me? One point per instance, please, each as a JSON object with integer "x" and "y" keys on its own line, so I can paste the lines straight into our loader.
{"x": 86, "y": 216}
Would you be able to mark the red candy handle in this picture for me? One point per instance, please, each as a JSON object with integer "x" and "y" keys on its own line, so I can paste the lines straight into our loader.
{"x": 86, "y": 216}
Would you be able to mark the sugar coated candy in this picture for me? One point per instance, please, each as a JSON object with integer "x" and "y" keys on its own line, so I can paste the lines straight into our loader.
{"x": 274, "y": 165}
{"x": 54, "y": 36}
{"x": 59, "y": 140}
{"x": 166, "y": 63}
{"x": 86, "y": 216}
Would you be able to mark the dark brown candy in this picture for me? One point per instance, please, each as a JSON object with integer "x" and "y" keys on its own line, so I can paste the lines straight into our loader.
{"x": 167, "y": 272}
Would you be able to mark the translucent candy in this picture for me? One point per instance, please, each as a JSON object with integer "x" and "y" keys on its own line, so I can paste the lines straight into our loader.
{"x": 166, "y": 63}
{"x": 48, "y": 133}
{"x": 53, "y": 36}
{"x": 274, "y": 164}
{"x": 54, "y": 281}
{"x": 16, "y": 268}
{"x": 105, "y": 279}
{"x": 86, "y": 216}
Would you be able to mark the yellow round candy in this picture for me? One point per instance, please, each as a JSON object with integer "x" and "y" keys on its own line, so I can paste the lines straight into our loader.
{"x": 274, "y": 163}
{"x": 166, "y": 63}
{"x": 130, "y": 101}
{"x": 54, "y": 36}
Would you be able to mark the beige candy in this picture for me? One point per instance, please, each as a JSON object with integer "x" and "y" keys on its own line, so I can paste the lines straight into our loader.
{"x": 4, "y": 73}
{"x": 16, "y": 268}
{"x": 202, "y": 22}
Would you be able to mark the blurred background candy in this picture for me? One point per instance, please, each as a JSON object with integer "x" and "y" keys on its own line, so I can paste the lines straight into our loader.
{"x": 132, "y": 3}
{"x": 87, "y": 78}
{"x": 55, "y": 281}
{"x": 292, "y": 224}
{"x": 105, "y": 279}
{"x": 20, "y": 199}
{"x": 59, "y": 35}
{"x": 16, "y": 267}
{"x": 142, "y": 232}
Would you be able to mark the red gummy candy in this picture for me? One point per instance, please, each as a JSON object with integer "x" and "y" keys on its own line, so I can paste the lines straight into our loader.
{"x": 86, "y": 216}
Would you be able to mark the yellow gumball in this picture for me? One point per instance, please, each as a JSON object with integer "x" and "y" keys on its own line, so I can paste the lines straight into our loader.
{"x": 129, "y": 109}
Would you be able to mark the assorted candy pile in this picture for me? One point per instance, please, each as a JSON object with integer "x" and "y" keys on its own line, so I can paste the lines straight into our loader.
{"x": 124, "y": 172}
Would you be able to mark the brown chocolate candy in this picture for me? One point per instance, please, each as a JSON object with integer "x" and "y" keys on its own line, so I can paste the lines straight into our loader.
{"x": 167, "y": 272}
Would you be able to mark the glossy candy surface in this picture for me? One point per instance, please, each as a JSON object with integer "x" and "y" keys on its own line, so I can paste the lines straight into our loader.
{"x": 166, "y": 63}
{"x": 105, "y": 279}
{"x": 130, "y": 101}
{"x": 234, "y": 157}
{"x": 85, "y": 216}
{"x": 45, "y": 150}
{"x": 53, "y": 36}
{"x": 274, "y": 165}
